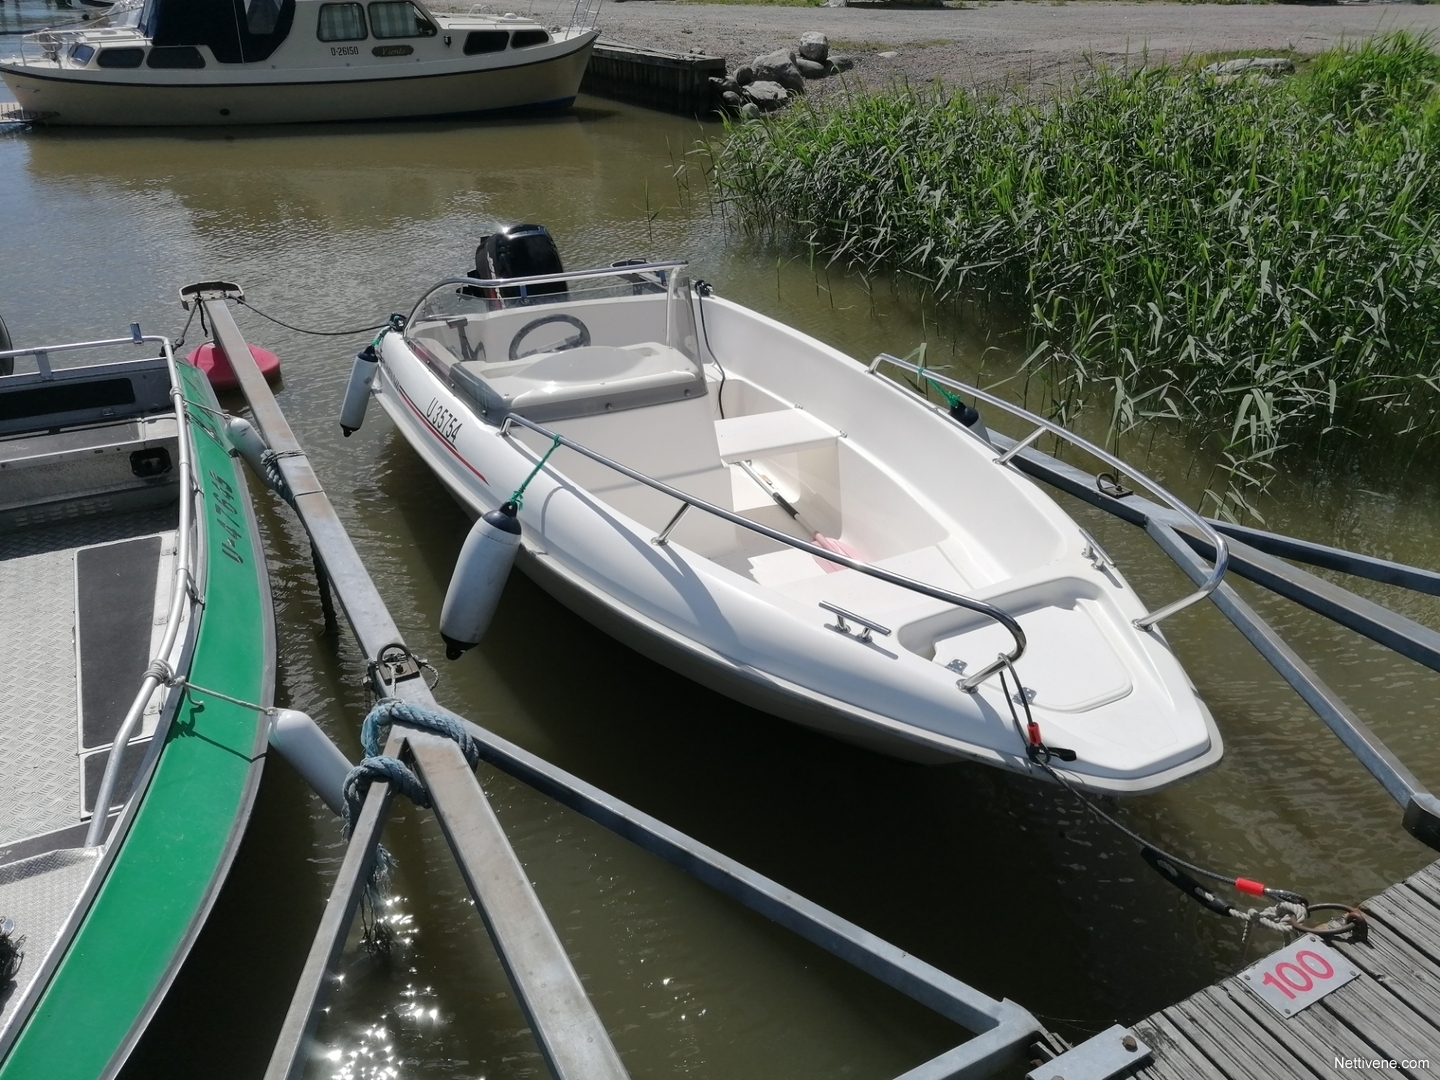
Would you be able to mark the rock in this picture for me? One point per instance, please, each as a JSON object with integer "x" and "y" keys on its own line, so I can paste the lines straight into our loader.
{"x": 814, "y": 46}
{"x": 841, "y": 62}
{"x": 750, "y": 111}
{"x": 766, "y": 94}
{"x": 778, "y": 67}
{"x": 744, "y": 75}
{"x": 1260, "y": 65}
{"x": 888, "y": 55}
{"x": 732, "y": 100}
{"x": 811, "y": 69}
{"x": 729, "y": 86}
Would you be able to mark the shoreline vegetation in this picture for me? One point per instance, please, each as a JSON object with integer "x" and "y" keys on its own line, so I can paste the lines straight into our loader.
{"x": 1254, "y": 261}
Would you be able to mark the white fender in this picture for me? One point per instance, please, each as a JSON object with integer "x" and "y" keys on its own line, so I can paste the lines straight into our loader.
{"x": 357, "y": 393}
{"x": 247, "y": 443}
{"x": 479, "y": 578}
{"x": 317, "y": 759}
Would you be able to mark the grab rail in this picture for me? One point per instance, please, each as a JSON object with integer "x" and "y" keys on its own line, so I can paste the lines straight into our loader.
{"x": 1222, "y": 551}
{"x": 183, "y": 581}
{"x": 825, "y": 554}
{"x": 545, "y": 279}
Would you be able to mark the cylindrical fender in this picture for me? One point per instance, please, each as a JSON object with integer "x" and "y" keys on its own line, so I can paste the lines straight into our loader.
{"x": 357, "y": 393}
{"x": 317, "y": 759}
{"x": 479, "y": 578}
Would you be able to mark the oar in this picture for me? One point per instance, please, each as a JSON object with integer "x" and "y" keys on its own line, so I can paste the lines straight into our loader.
{"x": 829, "y": 543}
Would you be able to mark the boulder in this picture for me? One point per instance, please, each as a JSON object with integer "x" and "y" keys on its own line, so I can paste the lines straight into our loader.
{"x": 750, "y": 111}
{"x": 744, "y": 75}
{"x": 732, "y": 100}
{"x": 814, "y": 46}
{"x": 840, "y": 62}
{"x": 729, "y": 86}
{"x": 766, "y": 94}
{"x": 778, "y": 67}
{"x": 1259, "y": 65}
{"x": 811, "y": 69}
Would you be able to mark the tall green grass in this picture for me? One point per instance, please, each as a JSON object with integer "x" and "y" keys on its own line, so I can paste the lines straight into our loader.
{"x": 1259, "y": 264}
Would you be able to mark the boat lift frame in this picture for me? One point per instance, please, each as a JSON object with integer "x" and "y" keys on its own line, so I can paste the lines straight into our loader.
{"x": 1255, "y": 555}
{"x": 572, "y": 1039}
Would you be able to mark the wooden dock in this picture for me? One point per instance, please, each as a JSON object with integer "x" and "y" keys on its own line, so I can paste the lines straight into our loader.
{"x": 675, "y": 82}
{"x": 1389, "y": 1013}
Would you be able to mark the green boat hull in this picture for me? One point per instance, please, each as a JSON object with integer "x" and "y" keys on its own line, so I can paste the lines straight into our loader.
{"x": 171, "y": 861}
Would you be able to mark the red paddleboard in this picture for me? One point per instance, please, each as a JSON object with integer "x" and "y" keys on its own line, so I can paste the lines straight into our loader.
{"x": 211, "y": 359}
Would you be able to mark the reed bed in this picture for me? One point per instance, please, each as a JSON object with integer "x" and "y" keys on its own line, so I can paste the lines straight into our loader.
{"x": 1257, "y": 264}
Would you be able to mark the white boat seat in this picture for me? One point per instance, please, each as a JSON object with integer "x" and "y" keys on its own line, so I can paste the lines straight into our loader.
{"x": 586, "y": 381}
{"x": 764, "y": 435}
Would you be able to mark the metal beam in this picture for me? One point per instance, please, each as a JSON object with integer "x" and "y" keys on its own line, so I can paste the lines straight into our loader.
{"x": 1347, "y": 562}
{"x": 1405, "y": 636}
{"x": 570, "y": 1034}
{"x": 293, "y": 1047}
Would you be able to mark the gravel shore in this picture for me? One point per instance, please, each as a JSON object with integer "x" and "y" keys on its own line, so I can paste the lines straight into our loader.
{"x": 1007, "y": 44}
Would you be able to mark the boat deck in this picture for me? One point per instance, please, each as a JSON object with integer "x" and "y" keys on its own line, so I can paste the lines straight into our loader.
{"x": 62, "y": 696}
{"x": 1390, "y": 1012}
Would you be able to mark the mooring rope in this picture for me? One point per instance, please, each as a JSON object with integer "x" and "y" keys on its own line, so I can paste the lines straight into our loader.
{"x": 1168, "y": 866}
{"x": 387, "y": 324}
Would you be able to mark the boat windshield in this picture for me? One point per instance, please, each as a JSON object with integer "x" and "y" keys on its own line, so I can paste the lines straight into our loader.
{"x": 589, "y": 328}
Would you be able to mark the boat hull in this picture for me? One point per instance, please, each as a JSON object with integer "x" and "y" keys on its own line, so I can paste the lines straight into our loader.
{"x": 169, "y": 853}
{"x": 144, "y": 100}
{"x": 708, "y": 626}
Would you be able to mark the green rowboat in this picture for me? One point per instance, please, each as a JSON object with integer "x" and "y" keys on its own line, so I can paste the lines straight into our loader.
{"x": 135, "y": 607}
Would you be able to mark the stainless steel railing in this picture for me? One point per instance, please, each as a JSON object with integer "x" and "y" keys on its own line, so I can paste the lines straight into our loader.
{"x": 1222, "y": 552}
{"x": 687, "y": 500}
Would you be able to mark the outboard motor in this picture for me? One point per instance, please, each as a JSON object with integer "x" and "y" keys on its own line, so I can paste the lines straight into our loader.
{"x": 518, "y": 251}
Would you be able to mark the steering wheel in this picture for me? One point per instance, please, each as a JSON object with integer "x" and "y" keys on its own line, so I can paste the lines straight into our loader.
{"x": 574, "y": 341}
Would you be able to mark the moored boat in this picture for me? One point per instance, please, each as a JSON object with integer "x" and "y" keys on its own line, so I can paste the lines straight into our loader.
{"x": 206, "y": 62}
{"x": 760, "y": 512}
{"x": 135, "y": 604}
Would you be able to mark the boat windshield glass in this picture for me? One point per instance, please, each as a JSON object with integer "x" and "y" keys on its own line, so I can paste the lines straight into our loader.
{"x": 488, "y": 329}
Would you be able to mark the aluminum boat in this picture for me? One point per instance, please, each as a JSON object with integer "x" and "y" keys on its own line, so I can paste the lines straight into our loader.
{"x": 206, "y": 62}
{"x": 764, "y": 514}
{"x": 135, "y": 611}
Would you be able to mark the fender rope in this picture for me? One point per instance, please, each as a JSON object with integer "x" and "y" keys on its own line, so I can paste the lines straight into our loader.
{"x": 518, "y": 498}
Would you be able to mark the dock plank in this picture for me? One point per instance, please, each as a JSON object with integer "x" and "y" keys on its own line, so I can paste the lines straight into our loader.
{"x": 1391, "y": 1011}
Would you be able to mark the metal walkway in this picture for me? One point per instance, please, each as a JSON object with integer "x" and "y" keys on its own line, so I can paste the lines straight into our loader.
{"x": 1390, "y": 1012}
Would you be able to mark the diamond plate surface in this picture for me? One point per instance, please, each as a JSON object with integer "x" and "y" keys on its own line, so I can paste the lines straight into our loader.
{"x": 39, "y": 768}
{"x": 39, "y": 893}
{"x": 83, "y": 532}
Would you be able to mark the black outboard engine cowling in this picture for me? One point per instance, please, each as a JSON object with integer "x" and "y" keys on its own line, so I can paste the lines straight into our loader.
{"x": 518, "y": 251}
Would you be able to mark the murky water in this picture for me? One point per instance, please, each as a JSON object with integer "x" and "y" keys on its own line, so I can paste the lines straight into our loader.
{"x": 990, "y": 878}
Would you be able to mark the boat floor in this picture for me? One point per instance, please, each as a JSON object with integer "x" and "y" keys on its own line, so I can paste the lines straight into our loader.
{"x": 77, "y": 613}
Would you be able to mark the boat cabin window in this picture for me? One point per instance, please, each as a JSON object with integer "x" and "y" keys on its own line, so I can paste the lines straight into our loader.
{"x": 175, "y": 56}
{"x": 261, "y": 16}
{"x": 341, "y": 22}
{"x": 235, "y": 31}
{"x": 81, "y": 54}
{"x": 399, "y": 19}
{"x": 525, "y": 38}
{"x": 120, "y": 58}
{"x": 486, "y": 41}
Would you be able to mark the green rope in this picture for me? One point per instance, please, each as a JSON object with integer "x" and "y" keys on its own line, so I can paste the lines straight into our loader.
{"x": 950, "y": 399}
{"x": 519, "y": 497}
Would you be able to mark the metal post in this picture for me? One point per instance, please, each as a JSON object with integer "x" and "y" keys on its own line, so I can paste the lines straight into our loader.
{"x": 571, "y": 1036}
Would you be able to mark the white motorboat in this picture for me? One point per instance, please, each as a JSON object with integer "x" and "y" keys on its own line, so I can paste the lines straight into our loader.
{"x": 192, "y": 62}
{"x": 760, "y": 512}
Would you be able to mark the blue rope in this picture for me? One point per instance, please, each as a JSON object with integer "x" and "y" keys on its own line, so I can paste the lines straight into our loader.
{"x": 393, "y": 710}
{"x": 393, "y": 771}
